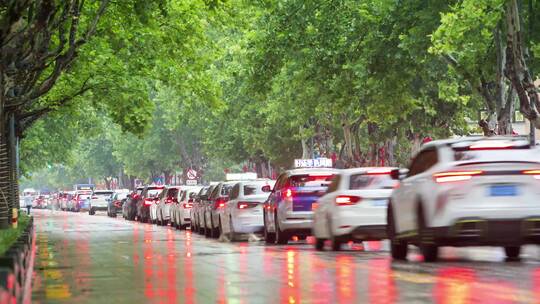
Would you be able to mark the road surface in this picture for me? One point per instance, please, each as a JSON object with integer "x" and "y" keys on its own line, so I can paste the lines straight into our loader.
{"x": 96, "y": 259}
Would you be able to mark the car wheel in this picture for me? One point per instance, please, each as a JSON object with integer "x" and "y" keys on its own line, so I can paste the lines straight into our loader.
{"x": 319, "y": 244}
{"x": 281, "y": 236}
{"x": 92, "y": 211}
{"x": 269, "y": 237}
{"x": 427, "y": 244}
{"x": 512, "y": 252}
{"x": 113, "y": 214}
{"x": 398, "y": 248}
{"x": 233, "y": 236}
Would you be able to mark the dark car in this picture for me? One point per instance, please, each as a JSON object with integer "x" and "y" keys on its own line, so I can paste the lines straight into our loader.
{"x": 115, "y": 203}
{"x": 129, "y": 208}
{"x": 289, "y": 209}
{"x": 148, "y": 197}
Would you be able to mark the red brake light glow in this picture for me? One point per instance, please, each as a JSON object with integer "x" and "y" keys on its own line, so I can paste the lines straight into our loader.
{"x": 288, "y": 193}
{"x": 347, "y": 200}
{"x": 245, "y": 205}
{"x": 491, "y": 145}
{"x": 455, "y": 176}
{"x": 188, "y": 205}
{"x": 148, "y": 201}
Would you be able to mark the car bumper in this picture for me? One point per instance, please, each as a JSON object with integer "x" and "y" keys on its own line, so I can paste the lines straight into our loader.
{"x": 99, "y": 208}
{"x": 489, "y": 232}
{"x": 248, "y": 223}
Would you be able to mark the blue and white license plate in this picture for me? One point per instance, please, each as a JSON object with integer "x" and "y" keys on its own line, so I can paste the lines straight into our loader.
{"x": 379, "y": 203}
{"x": 503, "y": 190}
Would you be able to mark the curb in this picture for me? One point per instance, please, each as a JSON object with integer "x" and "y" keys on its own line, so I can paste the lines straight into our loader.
{"x": 16, "y": 267}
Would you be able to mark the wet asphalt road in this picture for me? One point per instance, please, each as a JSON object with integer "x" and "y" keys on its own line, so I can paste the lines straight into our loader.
{"x": 96, "y": 259}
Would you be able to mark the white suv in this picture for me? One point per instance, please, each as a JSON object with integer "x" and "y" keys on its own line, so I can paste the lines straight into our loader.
{"x": 473, "y": 191}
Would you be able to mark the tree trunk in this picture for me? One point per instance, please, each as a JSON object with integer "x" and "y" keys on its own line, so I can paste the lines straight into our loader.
{"x": 348, "y": 143}
{"x": 517, "y": 70}
{"x": 107, "y": 182}
{"x": 306, "y": 152}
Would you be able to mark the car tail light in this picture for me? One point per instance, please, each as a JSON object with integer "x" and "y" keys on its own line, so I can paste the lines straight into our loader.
{"x": 168, "y": 200}
{"x": 188, "y": 205}
{"x": 455, "y": 176}
{"x": 246, "y": 205}
{"x": 534, "y": 173}
{"x": 287, "y": 193}
{"x": 347, "y": 200}
{"x": 220, "y": 203}
{"x": 148, "y": 201}
{"x": 94, "y": 197}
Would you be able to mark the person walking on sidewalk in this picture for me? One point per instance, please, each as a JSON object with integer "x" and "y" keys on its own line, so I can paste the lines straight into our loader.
{"x": 28, "y": 203}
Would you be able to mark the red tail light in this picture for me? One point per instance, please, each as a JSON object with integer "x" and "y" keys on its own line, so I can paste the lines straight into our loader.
{"x": 455, "y": 176}
{"x": 148, "y": 201}
{"x": 347, "y": 200}
{"x": 246, "y": 205}
{"x": 220, "y": 203}
{"x": 188, "y": 205}
{"x": 94, "y": 197}
{"x": 287, "y": 193}
{"x": 534, "y": 173}
{"x": 169, "y": 200}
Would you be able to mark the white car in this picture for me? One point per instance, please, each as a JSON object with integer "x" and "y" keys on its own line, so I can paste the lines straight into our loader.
{"x": 353, "y": 208}
{"x": 99, "y": 201}
{"x": 243, "y": 212}
{"x": 472, "y": 191}
{"x": 167, "y": 198}
{"x": 181, "y": 209}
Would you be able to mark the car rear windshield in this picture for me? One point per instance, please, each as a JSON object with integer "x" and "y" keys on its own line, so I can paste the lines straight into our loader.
{"x": 256, "y": 189}
{"x": 226, "y": 189}
{"x": 311, "y": 180}
{"x": 103, "y": 193}
{"x": 497, "y": 155}
{"x": 364, "y": 181}
{"x": 154, "y": 192}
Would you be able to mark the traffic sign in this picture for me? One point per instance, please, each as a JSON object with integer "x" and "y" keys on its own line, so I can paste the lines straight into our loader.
{"x": 192, "y": 174}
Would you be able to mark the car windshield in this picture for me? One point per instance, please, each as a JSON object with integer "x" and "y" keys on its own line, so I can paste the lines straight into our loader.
{"x": 496, "y": 155}
{"x": 311, "y": 180}
{"x": 364, "y": 181}
{"x": 103, "y": 194}
{"x": 154, "y": 192}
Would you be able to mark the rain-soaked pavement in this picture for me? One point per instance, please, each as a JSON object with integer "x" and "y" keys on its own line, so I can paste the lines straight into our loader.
{"x": 96, "y": 259}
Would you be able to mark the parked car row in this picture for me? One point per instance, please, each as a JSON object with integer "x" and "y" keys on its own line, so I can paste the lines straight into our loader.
{"x": 471, "y": 191}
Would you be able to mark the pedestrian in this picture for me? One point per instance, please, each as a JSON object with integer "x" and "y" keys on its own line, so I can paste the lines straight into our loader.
{"x": 28, "y": 204}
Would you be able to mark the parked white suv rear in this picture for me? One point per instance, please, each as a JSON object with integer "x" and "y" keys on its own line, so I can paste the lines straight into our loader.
{"x": 468, "y": 192}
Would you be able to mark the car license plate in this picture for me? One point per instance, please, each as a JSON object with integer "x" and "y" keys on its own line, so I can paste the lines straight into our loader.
{"x": 503, "y": 190}
{"x": 379, "y": 203}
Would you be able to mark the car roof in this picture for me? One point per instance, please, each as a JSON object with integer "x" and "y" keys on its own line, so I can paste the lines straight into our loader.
{"x": 302, "y": 171}
{"x": 451, "y": 141}
{"x": 365, "y": 169}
